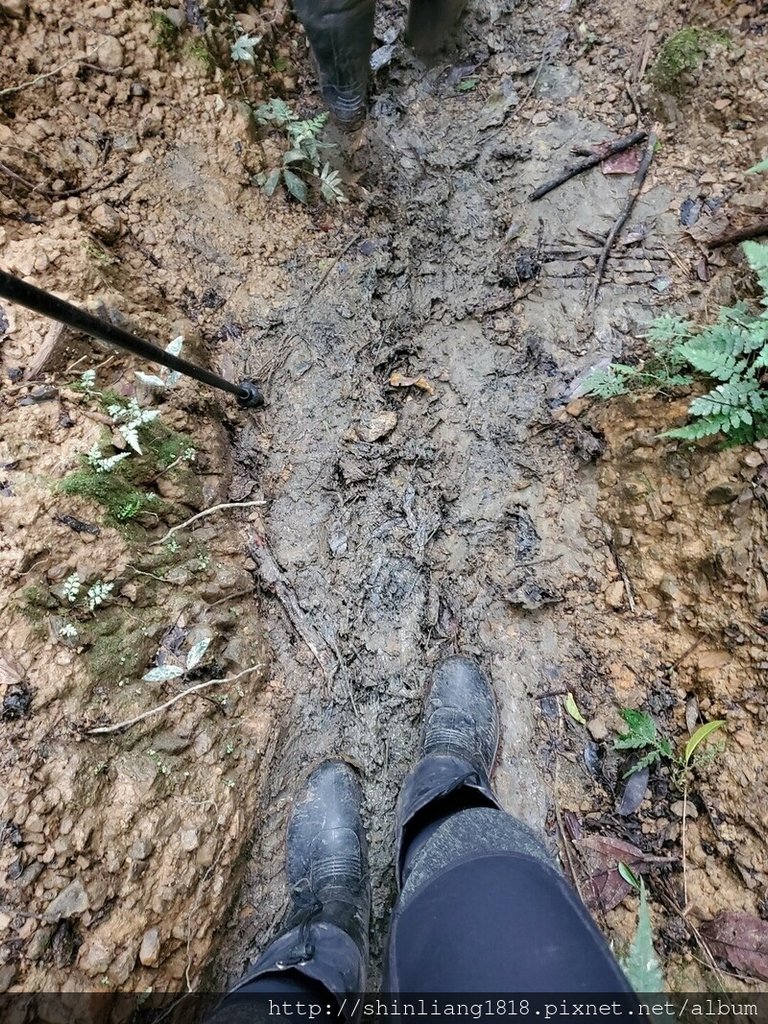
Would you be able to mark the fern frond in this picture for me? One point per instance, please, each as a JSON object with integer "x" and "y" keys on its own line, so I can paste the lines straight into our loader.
{"x": 610, "y": 383}
{"x": 757, "y": 258}
{"x": 705, "y": 427}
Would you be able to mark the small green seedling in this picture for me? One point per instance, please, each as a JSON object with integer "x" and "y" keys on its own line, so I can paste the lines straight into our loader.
{"x": 170, "y": 377}
{"x": 243, "y": 47}
{"x": 731, "y": 354}
{"x": 641, "y": 965}
{"x": 302, "y": 162}
{"x": 642, "y": 735}
{"x": 163, "y": 673}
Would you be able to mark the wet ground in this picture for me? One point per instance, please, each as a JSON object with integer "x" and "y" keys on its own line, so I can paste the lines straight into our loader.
{"x": 403, "y": 522}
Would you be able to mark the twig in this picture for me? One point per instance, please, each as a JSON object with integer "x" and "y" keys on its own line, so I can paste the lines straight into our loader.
{"x": 599, "y": 153}
{"x": 623, "y": 216}
{"x": 48, "y": 74}
{"x": 206, "y": 512}
{"x": 685, "y": 848}
{"x": 282, "y": 346}
{"x": 621, "y": 570}
{"x": 758, "y": 230}
{"x": 102, "y": 730}
{"x": 273, "y": 580}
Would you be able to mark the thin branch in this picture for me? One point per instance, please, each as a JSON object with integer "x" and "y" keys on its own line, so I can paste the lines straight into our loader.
{"x": 623, "y": 217}
{"x": 758, "y": 230}
{"x": 48, "y": 74}
{"x": 598, "y": 154}
{"x": 102, "y": 730}
{"x": 206, "y": 512}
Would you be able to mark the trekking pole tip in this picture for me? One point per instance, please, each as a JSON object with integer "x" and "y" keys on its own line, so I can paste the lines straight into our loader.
{"x": 251, "y": 396}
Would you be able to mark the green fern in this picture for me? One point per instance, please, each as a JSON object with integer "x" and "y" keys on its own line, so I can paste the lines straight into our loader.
{"x": 732, "y": 353}
{"x": 302, "y": 163}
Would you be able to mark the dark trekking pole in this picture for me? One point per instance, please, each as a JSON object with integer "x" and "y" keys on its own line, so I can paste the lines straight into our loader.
{"x": 247, "y": 392}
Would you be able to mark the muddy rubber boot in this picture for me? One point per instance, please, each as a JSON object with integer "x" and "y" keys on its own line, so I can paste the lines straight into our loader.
{"x": 340, "y": 33}
{"x": 324, "y": 937}
{"x": 460, "y": 736}
{"x": 430, "y": 22}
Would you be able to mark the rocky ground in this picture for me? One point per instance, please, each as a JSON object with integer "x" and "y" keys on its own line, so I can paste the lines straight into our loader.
{"x": 480, "y": 507}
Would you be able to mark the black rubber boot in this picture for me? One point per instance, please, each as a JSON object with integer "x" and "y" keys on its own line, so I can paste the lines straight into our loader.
{"x": 340, "y": 33}
{"x": 460, "y": 736}
{"x": 325, "y": 934}
{"x": 430, "y": 22}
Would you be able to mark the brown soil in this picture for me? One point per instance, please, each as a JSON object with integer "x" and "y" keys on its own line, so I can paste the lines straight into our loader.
{"x": 488, "y": 515}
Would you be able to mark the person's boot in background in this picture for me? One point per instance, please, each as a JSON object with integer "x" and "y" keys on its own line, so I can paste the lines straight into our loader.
{"x": 430, "y": 22}
{"x": 340, "y": 33}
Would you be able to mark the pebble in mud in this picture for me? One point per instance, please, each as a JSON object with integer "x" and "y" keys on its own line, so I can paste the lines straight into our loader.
{"x": 107, "y": 223}
{"x": 149, "y": 952}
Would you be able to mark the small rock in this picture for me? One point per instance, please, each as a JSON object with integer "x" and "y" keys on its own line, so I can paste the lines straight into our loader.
{"x": 149, "y": 953}
{"x": 94, "y": 958}
{"x": 72, "y": 900}
{"x": 721, "y": 494}
{"x": 107, "y": 223}
{"x": 120, "y": 969}
{"x": 103, "y": 13}
{"x": 140, "y": 849}
{"x": 753, "y": 460}
{"x": 598, "y": 729}
{"x": 540, "y": 118}
{"x": 7, "y": 975}
{"x": 110, "y": 54}
{"x": 14, "y": 9}
{"x": 40, "y": 942}
{"x": 622, "y": 537}
{"x": 176, "y": 17}
{"x": 678, "y": 806}
{"x": 379, "y": 427}
{"x": 614, "y": 595}
{"x": 189, "y": 840}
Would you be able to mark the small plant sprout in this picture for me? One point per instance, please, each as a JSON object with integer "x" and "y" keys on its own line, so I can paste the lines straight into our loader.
{"x": 230, "y": 783}
{"x": 68, "y": 631}
{"x": 641, "y": 965}
{"x": 100, "y": 464}
{"x": 98, "y": 593}
{"x": 129, "y": 418}
{"x": 302, "y": 162}
{"x": 243, "y": 47}
{"x": 642, "y": 735}
{"x": 71, "y": 587}
{"x": 731, "y": 355}
{"x": 171, "y": 377}
{"x": 164, "y": 673}
{"x": 88, "y": 381}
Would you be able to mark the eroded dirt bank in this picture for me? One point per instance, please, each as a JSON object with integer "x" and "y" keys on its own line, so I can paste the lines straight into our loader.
{"x": 400, "y": 522}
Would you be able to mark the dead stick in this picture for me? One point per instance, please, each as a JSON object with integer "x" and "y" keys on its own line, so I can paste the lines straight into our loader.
{"x": 102, "y": 730}
{"x": 600, "y": 153}
{"x": 623, "y": 217}
{"x": 274, "y": 581}
{"x": 742, "y": 235}
{"x": 206, "y": 512}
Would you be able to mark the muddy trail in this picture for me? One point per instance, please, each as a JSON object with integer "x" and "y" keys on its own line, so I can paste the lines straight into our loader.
{"x": 422, "y": 480}
{"x": 404, "y": 523}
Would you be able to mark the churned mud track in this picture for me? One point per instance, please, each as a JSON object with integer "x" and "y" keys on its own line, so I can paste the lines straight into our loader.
{"x": 407, "y": 522}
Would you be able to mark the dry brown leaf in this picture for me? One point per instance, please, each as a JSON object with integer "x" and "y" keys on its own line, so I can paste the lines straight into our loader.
{"x": 11, "y": 671}
{"x": 397, "y": 380}
{"x": 741, "y": 939}
{"x": 623, "y": 163}
{"x": 604, "y": 886}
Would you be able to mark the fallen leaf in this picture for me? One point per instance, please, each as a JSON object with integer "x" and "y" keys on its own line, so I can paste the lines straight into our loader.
{"x": 741, "y": 939}
{"x": 623, "y": 163}
{"x": 379, "y": 427}
{"x": 11, "y": 671}
{"x": 605, "y": 887}
{"x": 573, "y": 709}
{"x": 397, "y": 380}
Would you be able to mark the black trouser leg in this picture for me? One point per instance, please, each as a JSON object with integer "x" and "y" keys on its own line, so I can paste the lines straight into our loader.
{"x": 483, "y": 909}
